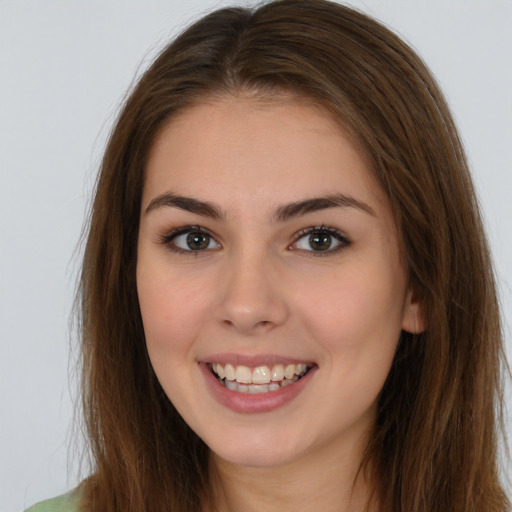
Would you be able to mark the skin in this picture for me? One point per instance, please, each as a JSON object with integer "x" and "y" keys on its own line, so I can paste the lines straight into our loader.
{"x": 258, "y": 289}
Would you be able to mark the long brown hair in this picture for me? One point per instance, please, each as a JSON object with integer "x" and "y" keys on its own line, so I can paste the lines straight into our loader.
{"x": 434, "y": 446}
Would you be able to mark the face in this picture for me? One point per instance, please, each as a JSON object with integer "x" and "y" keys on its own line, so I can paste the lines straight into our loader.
{"x": 269, "y": 279}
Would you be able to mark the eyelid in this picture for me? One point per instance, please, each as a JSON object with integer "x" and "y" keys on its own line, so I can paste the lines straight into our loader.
{"x": 341, "y": 237}
{"x": 168, "y": 238}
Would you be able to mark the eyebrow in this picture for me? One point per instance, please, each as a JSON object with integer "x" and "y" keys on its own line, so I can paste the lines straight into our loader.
{"x": 315, "y": 204}
{"x": 281, "y": 214}
{"x": 189, "y": 204}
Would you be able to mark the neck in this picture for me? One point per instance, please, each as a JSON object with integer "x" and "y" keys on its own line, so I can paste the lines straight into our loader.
{"x": 327, "y": 480}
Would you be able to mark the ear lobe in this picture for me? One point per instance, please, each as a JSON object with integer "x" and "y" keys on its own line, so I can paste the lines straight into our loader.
{"x": 413, "y": 320}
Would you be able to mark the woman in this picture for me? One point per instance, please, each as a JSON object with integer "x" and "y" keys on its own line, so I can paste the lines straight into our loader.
{"x": 287, "y": 297}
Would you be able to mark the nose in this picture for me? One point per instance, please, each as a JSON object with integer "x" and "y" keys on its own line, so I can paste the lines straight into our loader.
{"x": 252, "y": 297}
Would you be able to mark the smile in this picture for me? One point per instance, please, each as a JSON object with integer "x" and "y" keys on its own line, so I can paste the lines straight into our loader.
{"x": 261, "y": 379}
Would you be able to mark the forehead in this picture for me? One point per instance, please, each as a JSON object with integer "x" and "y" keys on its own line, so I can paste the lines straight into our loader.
{"x": 272, "y": 150}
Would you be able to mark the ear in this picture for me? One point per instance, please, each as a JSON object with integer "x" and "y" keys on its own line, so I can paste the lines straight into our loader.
{"x": 413, "y": 320}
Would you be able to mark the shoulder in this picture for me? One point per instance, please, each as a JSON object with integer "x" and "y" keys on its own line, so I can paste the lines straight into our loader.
{"x": 65, "y": 503}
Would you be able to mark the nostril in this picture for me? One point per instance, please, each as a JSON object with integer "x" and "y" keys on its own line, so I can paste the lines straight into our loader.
{"x": 261, "y": 325}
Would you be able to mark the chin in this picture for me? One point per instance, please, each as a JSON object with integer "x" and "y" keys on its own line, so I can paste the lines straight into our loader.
{"x": 258, "y": 450}
{"x": 261, "y": 459}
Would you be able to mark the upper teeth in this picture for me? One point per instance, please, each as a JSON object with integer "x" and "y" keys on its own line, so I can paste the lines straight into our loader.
{"x": 259, "y": 375}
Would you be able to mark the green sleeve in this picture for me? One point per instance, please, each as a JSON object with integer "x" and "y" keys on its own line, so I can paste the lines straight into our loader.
{"x": 65, "y": 503}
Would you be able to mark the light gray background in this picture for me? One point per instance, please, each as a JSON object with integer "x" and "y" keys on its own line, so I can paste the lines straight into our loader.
{"x": 64, "y": 67}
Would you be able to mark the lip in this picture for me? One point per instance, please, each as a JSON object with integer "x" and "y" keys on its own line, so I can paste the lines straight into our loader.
{"x": 254, "y": 403}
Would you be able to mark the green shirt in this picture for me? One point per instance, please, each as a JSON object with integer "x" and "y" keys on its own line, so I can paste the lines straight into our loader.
{"x": 65, "y": 503}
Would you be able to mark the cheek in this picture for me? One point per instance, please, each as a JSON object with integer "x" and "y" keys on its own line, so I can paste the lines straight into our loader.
{"x": 357, "y": 313}
{"x": 358, "y": 326}
{"x": 170, "y": 309}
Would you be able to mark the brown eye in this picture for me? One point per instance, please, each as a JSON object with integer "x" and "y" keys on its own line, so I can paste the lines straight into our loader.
{"x": 190, "y": 239}
{"x": 320, "y": 241}
{"x": 197, "y": 241}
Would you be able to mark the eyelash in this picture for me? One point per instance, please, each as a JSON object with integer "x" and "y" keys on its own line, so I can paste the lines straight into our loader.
{"x": 343, "y": 241}
{"x": 169, "y": 238}
{"x": 340, "y": 237}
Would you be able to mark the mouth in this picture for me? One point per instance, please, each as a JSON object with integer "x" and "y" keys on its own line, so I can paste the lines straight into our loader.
{"x": 260, "y": 379}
